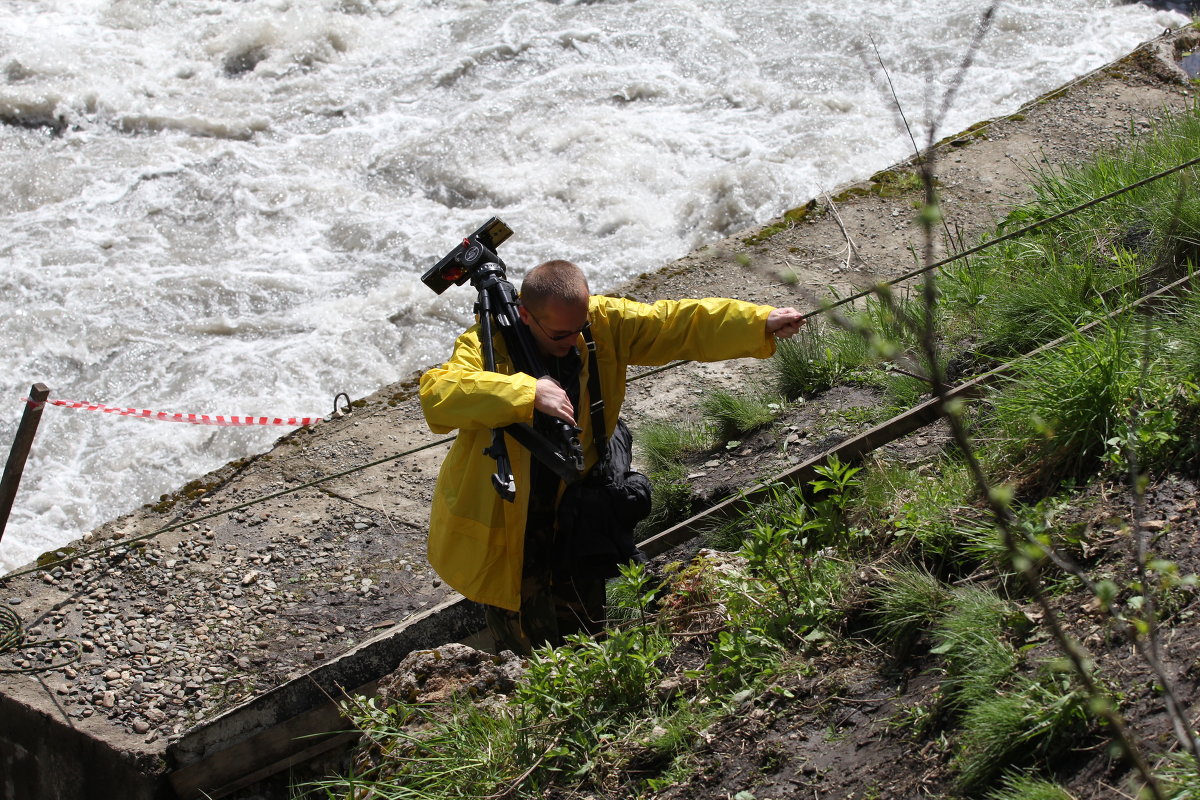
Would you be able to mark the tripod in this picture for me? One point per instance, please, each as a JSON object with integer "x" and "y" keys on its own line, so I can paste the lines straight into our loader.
{"x": 475, "y": 260}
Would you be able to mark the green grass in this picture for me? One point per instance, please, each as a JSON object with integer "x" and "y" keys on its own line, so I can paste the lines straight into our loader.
{"x": 817, "y": 358}
{"x": 909, "y": 601}
{"x": 972, "y": 638}
{"x": 1032, "y": 719}
{"x": 1180, "y": 776}
{"x": 1061, "y": 407}
{"x": 1028, "y": 290}
{"x": 925, "y": 512}
{"x": 663, "y": 445}
{"x": 671, "y": 500}
{"x": 732, "y": 415}
{"x": 1019, "y": 786}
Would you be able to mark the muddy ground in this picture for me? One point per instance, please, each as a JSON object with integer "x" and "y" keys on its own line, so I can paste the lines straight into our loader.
{"x": 190, "y": 622}
{"x": 859, "y": 723}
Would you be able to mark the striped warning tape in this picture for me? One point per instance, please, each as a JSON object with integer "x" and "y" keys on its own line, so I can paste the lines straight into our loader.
{"x": 194, "y": 419}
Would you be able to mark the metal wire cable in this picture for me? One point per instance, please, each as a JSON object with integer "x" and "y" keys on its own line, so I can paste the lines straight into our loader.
{"x": 12, "y": 640}
{"x": 1191, "y": 162}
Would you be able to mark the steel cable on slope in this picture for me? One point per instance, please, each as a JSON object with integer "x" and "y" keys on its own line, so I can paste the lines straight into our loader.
{"x": 647, "y": 373}
{"x": 968, "y": 252}
{"x": 12, "y": 640}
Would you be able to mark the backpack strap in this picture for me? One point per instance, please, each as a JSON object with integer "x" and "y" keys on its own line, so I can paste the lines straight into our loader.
{"x": 599, "y": 435}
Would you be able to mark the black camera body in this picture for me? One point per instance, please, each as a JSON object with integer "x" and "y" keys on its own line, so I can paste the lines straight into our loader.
{"x": 460, "y": 264}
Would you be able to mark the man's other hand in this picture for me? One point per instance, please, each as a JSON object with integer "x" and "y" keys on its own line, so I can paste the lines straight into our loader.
{"x": 550, "y": 398}
{"x": 785, "y": 323}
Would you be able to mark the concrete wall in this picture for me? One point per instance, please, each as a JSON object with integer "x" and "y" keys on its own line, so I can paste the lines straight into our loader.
{"x": 42, "y": 758}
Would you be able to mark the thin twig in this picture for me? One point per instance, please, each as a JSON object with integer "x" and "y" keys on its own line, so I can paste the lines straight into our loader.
{"x": 998, "y": 504}
{"x": 851, "y": 248}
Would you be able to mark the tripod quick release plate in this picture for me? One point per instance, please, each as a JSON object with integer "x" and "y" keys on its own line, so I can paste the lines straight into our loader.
{"x": 457, "y": 266}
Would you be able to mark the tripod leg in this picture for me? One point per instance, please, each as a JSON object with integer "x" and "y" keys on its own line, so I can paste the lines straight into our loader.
{"x": 503, "y": 480}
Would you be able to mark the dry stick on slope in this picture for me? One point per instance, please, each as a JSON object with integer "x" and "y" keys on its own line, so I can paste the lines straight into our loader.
{"x": 950, "y": 410}
{"x": 1146, "y": 636}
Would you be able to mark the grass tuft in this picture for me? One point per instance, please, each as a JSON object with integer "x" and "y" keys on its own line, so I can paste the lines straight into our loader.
{"x": 1033, "y": 719}
{"x": 909, "y": 601}
{"x": 817, "y": 358}
{"x": 664, "y": 445}
{"x": 732, "y": 415}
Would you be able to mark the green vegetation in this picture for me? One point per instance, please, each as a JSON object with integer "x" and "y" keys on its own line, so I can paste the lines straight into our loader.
{"x": 732, "y": 415}
{"x": 964, "y": 569}
{"x": 817, "y": 358}
{"x": 663, "y": 445}
{"x": 1016, "y": 786}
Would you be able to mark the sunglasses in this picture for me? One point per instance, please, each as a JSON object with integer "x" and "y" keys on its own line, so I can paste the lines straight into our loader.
{"x": 558, "y": 337}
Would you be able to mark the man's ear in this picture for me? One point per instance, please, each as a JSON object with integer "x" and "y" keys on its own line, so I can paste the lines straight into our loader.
{"x": 523, "y": 313}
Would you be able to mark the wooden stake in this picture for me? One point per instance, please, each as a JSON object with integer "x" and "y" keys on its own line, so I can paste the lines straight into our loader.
{"x": 20, "y": 451}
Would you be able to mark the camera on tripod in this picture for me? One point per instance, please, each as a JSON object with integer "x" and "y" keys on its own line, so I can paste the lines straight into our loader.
{"x": 475, "y": 260}
{"x": 459, "y": 265}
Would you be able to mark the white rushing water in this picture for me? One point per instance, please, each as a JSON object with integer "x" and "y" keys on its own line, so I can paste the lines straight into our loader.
{"x": 224, "y": 206}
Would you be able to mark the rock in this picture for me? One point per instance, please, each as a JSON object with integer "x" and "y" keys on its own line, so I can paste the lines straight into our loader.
{"x": 452, "y": 670}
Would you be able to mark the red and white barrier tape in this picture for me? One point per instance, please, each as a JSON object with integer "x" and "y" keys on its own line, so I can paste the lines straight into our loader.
{"x": 194, "y": 419}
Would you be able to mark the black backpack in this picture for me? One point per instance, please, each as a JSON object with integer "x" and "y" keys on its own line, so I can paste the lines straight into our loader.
{"x": 597, "y": 515}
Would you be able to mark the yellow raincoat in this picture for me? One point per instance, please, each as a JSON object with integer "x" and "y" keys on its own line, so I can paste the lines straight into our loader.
{"x": 476, "y": 539}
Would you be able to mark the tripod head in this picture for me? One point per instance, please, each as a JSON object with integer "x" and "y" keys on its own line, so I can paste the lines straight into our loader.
{"x": 475, "y": 260}
{"x": 476, "y": 253}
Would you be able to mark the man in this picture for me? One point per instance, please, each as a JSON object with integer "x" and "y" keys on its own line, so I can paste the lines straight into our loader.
{"x": 500, "y": 553}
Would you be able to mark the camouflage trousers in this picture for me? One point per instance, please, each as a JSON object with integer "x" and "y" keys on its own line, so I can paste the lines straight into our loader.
{"x": 550, "y": 611}
{"x": 552, "y": 606}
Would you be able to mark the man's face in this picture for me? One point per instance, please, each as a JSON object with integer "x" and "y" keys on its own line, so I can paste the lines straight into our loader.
{"x": 555, "y": 325}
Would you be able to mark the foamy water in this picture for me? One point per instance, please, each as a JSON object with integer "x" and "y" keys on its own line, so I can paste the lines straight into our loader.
{"x": 224, "y": 206}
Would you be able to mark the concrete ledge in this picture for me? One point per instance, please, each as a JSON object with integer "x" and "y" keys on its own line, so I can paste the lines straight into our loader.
{"x": 42, "y": 756}
{"x": 300, "y": 719}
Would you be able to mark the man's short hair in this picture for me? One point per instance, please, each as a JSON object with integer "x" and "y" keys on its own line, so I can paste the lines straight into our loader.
{"x": 554, "y": 280}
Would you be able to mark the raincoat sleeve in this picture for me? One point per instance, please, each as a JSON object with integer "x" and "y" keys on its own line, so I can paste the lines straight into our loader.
{"x": 462, "y": 394}
{"x": 711, "y": 329}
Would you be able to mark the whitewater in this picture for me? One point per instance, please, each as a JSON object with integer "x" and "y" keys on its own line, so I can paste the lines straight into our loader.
{"x": 225, "y": 206}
